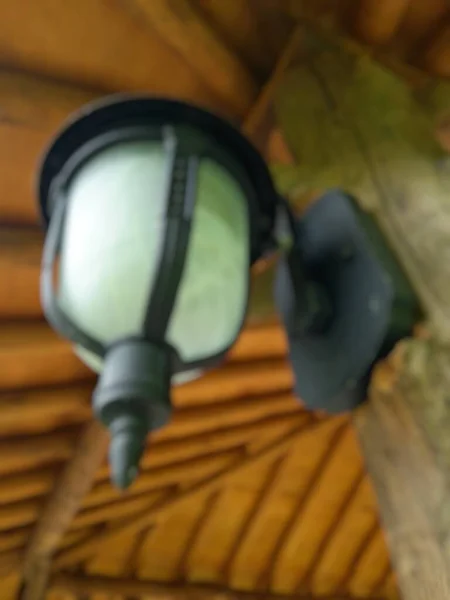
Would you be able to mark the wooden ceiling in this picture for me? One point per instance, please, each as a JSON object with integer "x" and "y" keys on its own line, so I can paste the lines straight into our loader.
{"x": 245, "y": 489}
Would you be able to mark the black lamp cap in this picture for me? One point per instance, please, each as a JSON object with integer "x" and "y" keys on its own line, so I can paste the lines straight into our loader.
{"x": 132, "y": 398}
{"x": 371, "y": 303}
{"x": 122, "y": 111}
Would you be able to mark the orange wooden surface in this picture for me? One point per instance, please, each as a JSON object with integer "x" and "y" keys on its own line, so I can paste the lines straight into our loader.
{"x": 302, "y": 520}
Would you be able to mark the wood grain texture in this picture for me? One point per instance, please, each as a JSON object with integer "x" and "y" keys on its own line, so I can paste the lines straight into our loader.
{"x": 370, "y": 113}
{"x": 242, "y": 26}
{"x": 184, "y": 29}
{"x": 419, "y": 26}
{"x": 436, "y": 57}
{"x": 33, "y": 412}
{"x": 146, "y": 518}
{"x": 378, "y": 20}
{"x": 26, "y": 453}
{"x": 158, "y": 590}
{"x": 32, "y": 355}
{"x": 61, "y": 507}
{"x": 285, "y": 521}
{"x": 411, "y": 486}
{"x": 127, "y": 54}
{"x": 384, "y": 130}
{"x": 32, "y": 109}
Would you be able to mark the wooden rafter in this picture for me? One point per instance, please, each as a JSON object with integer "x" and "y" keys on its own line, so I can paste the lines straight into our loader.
{"x": 75, "y": 584}
{"x": 208, "y": 55}
{"x": 405, "y": 465}
{"x": 152, "y": 514}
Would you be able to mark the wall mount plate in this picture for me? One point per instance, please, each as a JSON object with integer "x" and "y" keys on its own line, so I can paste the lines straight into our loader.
{"x": 373, "y": 304}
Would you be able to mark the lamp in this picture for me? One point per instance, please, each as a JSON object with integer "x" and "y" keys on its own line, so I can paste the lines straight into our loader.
{"x": 155, "y": 211}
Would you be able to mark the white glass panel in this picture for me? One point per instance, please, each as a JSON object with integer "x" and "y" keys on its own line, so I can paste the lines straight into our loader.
{"x": 112, "y": 238}
{"x": 111, "y": 245}
{"x": 213, "y": 292}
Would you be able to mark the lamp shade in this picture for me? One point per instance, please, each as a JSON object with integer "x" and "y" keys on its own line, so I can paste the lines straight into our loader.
{"x": 112, "y": 242}
{"x": 154, "y": 211}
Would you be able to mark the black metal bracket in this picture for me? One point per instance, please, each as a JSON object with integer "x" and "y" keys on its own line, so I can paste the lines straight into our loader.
{"x": 365, "y": 303}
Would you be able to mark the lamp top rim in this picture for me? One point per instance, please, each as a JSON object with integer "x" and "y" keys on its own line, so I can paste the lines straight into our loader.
{"x": 122, "y": 110}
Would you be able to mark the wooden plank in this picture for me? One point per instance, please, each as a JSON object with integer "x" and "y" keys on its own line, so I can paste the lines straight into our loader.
{"x": 23, "y": 454}
{"x": 20, "y": 260}
{"x": 242, "y": 27}
{"x": 251, "y": 566}
{"x": 418, "y": 27}
{"x": 378, "y": 20}
{"x": 214, "y": 544}
{"x": 82, "y": 584}
{"x": 146, "y": 518}
{"x": 353, "y": 82}
{"x": 371, "y": 568}
{"x": 258, "y": 112}
{"x": 437, "y": 55}
{"x": 311, "y": 525}
{"x": 238, "y": 402}
{"x": 10, "y": 586}
{"x": 33, "y": 355}
{"x": 115, "y": 511}
{"x": 235, "y": 23}
{"x": 33, "y": 108}
{"x": 30, "y": 484}
{"x": 181, "y": 474}
{"x": 78, "y": 47}
{"x": 184, "y": 29}
{"x": 339, "y": 557}
{"x": 14, "y": 539}
{"x": 163, "y": 453}
{"x": 408, "y": 476}
{"x": 19, "y": 515}
{"x": 247, "y": 409}
{"x": 164, "y": 561}
{"x": 235, "y": 381}
{"x": 37, "y": 411}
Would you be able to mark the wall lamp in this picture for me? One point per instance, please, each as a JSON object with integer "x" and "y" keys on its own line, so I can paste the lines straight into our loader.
{"x": 154, "y": 212}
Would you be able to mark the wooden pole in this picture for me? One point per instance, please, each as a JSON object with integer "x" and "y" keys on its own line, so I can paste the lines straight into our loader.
{"x": 61, "y": 508}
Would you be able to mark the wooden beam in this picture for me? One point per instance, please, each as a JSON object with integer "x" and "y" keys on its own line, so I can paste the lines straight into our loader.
{"x": 163, "y": 453}
{"x": 378, "y": 20}
{"x": 408, "y": 471}
{"x": 32, "y": 108}
{"x": 33, "y": 355}
{"x": 147, "y": 517}
{"x": 82, "y": 584}
{"x": 20, "y": 260}
{"x": 61, "y": 508}
{"x": 184, "y": 29}
{"x": 144, "y": 60}
{"x": 352, "y": 124}
{"x": 262, "y": 105}
{"x": 29, "y": 412}
{"x": 26, "y": 453}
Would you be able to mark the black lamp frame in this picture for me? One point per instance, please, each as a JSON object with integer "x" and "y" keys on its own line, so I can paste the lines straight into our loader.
{"x": 188, "y": 135}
